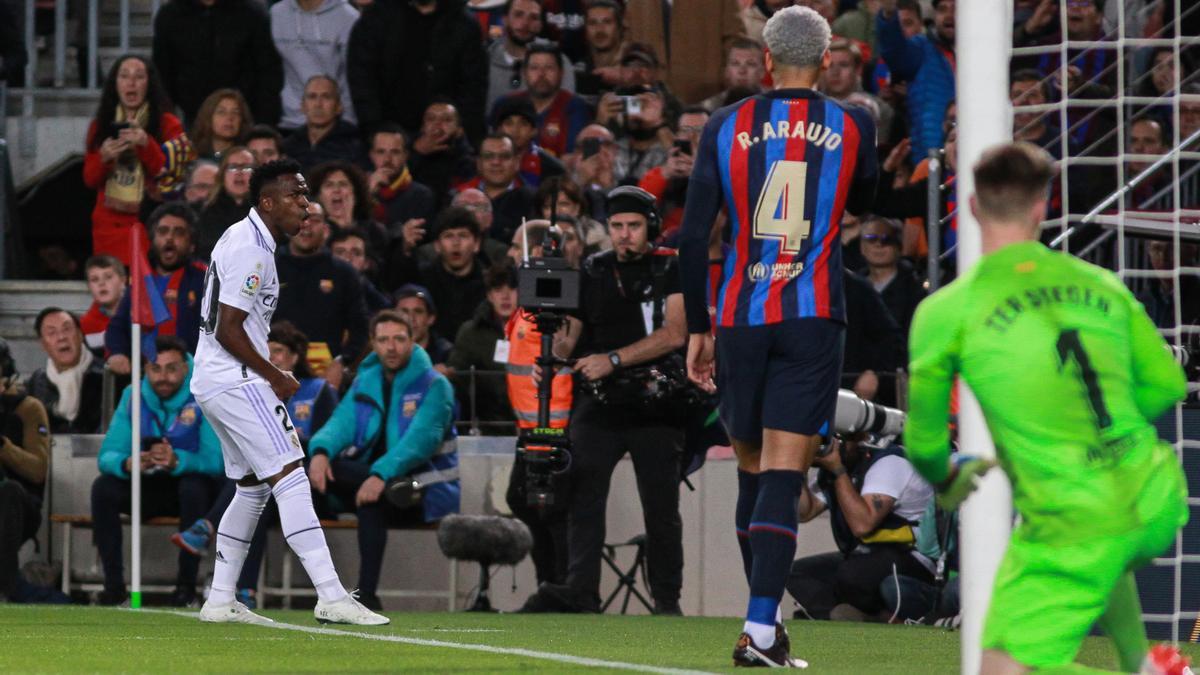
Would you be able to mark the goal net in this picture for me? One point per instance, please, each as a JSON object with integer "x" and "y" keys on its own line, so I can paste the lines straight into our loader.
{"x": 1112, "y": 90}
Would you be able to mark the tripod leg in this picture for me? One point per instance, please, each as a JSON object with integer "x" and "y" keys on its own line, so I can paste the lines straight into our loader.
{"x": 482, "y": 602}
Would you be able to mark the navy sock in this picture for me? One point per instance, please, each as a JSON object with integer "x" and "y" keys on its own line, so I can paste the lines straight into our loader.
{"x": 746, "y": 499}
{"x": 773, "y": 541}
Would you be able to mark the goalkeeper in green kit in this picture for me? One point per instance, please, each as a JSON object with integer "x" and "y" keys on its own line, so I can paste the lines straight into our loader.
{"x": 1070, "y": 373}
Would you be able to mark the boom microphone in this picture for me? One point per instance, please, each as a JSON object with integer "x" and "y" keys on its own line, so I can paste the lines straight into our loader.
{"x": 855, "y": 415}
{"x": 492, "y": 540}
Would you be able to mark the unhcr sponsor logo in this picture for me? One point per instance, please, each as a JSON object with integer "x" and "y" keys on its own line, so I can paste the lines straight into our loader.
{"x": 776, "y": 272}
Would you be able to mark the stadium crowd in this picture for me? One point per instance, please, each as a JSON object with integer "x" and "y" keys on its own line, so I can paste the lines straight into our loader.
{"x": 430, "y": 130}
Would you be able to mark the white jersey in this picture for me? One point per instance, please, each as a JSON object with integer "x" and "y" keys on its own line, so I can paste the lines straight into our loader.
{"x": 241, "y": 274}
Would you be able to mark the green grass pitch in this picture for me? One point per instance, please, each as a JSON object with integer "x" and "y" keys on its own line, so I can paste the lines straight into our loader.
{"x": 92, "y": 639}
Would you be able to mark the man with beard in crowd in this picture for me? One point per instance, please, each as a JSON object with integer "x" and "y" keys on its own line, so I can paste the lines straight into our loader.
{"x": 506, "y": 55}
{"x": 560, "y": 115}
{"x": 178, "y": 277}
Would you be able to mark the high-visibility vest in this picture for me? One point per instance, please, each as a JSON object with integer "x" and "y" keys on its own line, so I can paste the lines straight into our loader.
{"x": 524, "y": 346}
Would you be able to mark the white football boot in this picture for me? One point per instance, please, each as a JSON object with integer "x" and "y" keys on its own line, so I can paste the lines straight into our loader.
{"x": 348, "y": 610}
{"x": 235, "y": 612}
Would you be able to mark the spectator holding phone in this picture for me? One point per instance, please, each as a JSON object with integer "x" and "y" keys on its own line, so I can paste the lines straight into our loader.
{"x": 668, "y": 183}
{"x": 135, "y": 148}
{"x": 645, "y": 140}
{"x": 593, "y": 165}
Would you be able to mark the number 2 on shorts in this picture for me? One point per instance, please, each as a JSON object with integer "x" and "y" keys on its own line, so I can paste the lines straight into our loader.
{"x": 283, "y": 417}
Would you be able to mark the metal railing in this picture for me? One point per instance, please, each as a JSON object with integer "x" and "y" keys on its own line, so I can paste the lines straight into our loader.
{"x": 469, "y": 423}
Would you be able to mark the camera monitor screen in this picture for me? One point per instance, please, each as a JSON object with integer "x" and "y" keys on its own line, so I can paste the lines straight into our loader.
{"x": 549, "y": 287}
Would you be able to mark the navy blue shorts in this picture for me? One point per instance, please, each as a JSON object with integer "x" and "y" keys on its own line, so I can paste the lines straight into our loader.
{"x": 781, "y": 376}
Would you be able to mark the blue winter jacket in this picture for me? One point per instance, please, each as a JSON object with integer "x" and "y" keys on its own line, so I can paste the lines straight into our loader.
{"x": 420, "y": 429}
{"x": 921, "y": 62}
{"x": 178, "y": 419}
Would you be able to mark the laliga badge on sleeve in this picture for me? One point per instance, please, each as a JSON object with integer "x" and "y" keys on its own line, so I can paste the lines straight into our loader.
{"x": 501, "y": 353}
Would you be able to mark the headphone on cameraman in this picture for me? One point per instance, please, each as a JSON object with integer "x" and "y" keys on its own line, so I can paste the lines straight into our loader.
{"x": 642, "y": 197}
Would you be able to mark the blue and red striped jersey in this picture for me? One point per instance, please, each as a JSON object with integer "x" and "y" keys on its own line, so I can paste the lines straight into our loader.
{"x": 785, "y": 165}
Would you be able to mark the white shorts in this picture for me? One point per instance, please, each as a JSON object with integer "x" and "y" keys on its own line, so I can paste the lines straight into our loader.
{"x": 257, "y": 436}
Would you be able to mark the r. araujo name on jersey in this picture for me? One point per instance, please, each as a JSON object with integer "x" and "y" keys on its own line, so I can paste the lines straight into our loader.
{"x": 786, "y": 164}
{"x": 242, "y": 274}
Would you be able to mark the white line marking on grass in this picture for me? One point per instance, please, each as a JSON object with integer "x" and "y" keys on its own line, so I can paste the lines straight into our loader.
{"x": 487, "y": 649}
{"x": 454, "y": 630}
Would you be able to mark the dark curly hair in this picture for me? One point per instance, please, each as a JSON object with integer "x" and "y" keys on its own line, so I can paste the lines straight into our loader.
{"x": 285, "y": 333}
{"x": 269, "y": 173}
{"x": 106, "y": 110}
{"x": 363, "y": 203}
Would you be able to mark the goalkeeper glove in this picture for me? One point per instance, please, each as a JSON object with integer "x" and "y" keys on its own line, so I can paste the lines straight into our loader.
{"x": 964, "y": 478}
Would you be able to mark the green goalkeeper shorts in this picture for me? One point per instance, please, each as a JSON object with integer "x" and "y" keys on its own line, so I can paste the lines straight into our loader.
{"x": 1048, "y": 596}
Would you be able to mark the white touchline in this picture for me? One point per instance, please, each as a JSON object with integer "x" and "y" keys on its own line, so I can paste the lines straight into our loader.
{"x": 488, "y": 649}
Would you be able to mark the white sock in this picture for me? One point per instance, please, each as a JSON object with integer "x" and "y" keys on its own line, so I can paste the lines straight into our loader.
{"x": 763, "y": 636}
{"x": 302, "y": 531}
{"x": 233, "y": 539}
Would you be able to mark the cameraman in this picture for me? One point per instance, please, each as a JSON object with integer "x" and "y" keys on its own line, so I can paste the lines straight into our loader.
{"x": 631, "y": 313}
{"x": 24, "y": 461}
{"x": 875, "y": 501}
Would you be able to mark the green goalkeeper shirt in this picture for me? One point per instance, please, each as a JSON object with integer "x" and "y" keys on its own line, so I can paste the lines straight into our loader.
{"x": 1069, "y": 371}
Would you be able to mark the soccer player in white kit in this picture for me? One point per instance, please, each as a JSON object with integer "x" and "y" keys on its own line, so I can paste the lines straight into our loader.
{"x": 242, "y": 396}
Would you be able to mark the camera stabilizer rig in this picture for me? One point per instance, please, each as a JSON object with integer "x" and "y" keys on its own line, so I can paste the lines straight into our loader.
{"x": 547, "y": 287}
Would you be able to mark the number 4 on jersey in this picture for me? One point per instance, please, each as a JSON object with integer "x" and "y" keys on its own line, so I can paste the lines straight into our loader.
{"x": 780, "y": 211}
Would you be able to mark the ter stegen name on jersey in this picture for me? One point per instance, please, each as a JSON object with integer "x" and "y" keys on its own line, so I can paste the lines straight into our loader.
{"x": 1006, "y": 313}
{"x": 815, "y": 133}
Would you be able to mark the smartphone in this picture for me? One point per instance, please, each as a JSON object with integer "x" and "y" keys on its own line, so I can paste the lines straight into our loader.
{"x": 633, "y": 105}
{"x": 117, "y": 127}
{"x": 684, "y": 146}
{"x": 590, "y": 147}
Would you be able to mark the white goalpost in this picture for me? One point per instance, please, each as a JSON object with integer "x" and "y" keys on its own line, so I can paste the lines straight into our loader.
{"x": 1154, "y": 197}
{"x": 983, "y": 41}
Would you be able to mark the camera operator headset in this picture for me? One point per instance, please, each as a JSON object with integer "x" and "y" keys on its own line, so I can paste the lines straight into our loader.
{"x": 24, "y": 461}
{"x": 630, "y": 316}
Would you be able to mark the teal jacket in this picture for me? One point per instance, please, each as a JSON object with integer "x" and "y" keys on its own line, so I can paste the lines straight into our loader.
{"x": 420, "y": 423}
{"x": 178, "y": 419}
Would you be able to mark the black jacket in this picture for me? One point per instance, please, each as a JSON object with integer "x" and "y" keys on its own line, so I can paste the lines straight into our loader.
{"x": 475, "y": 346}
{"x": 416, "y": 201}
{"x": 343, "y": 142}
{"x": 323, "y": 297}
{"x": 443, "y": 170}
{"x": 87, "y": 421}
{"x": 399, "y": 60}
{"x": 215, "y": 219}
{"x": 902, "y": 294}
{"x": 873, "y": 338}
{"x": 201, "y": 49}
{"x": 456, "y": 298}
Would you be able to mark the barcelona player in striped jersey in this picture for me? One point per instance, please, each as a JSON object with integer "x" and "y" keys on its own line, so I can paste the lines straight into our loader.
{"x": 785, "y": 165}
